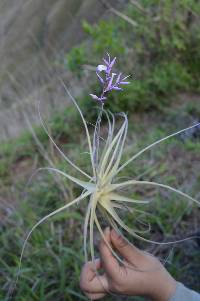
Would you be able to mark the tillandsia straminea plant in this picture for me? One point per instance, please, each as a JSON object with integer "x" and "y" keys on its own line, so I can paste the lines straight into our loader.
{"x": 101, "y": 188}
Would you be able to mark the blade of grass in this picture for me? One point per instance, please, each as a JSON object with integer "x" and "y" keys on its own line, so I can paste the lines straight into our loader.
{"x": 58, "y": 149}
{"x": 152, "y": 145}
{"x": 85, "y": 125}
{"x": 35, "y": 226}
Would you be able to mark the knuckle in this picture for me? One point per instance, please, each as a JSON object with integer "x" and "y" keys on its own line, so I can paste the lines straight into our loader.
{"x": 85, "y": 267}
{"x": 83, "y": 285}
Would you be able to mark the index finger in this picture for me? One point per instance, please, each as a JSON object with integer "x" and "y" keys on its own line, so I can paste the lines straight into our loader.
{"x": 109, "y": 262}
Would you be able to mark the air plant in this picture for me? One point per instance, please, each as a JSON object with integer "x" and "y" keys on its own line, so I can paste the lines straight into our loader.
{"x": 100, "y": 189}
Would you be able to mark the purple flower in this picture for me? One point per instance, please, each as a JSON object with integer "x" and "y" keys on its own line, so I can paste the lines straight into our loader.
{"x": 109, "y": 80}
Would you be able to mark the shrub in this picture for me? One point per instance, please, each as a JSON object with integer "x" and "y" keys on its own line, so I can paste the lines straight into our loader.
{"x": 163, "y": 50}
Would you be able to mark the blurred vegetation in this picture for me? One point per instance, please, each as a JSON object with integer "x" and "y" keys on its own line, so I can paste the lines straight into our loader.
{"x": 53, "y": 257}
{"x": 162, "y": 51}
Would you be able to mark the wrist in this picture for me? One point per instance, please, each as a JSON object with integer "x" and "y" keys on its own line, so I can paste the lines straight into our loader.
{"x": 166, "y": 291}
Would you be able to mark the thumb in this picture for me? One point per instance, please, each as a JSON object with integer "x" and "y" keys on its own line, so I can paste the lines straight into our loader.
{"x": 130, "y": 253}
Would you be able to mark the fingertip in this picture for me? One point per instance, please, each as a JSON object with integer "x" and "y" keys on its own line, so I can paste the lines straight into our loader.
{"x": 107, "y": 232}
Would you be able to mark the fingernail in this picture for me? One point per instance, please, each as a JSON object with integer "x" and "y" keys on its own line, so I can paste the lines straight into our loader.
{"x": 107, "y": 229}
{"x": 115, "y": 234}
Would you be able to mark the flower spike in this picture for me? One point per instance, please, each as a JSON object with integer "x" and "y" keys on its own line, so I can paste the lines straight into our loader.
{"x": 109, "y": 80}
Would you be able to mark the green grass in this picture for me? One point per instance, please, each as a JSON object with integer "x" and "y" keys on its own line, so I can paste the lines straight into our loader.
{"x": 54, "y": 255}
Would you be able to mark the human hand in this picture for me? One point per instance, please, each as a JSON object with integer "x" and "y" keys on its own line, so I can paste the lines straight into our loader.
{"x": 141, "y": 275}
